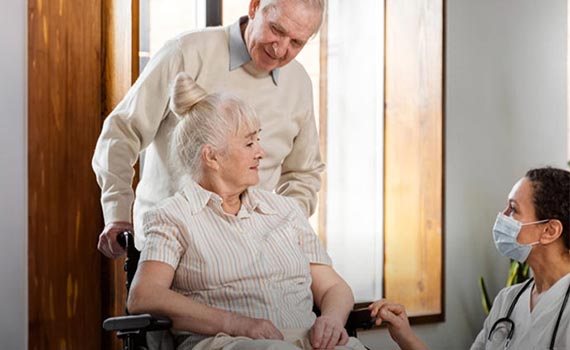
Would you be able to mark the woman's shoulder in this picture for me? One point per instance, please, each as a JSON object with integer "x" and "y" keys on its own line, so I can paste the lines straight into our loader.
{"x": 510, "y": 292}
{"x": 171, "y": 207}
{"x": 274, "y": 201}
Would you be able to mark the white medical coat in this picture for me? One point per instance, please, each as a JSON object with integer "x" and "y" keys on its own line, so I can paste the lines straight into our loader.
{"x": 533, "y": 330}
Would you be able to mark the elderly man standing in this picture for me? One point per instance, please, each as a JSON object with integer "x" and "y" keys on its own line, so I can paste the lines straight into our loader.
{"x": 253, "y": 59}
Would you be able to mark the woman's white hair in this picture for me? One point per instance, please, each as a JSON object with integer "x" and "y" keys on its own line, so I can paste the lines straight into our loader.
{"x": 205, "y": 119}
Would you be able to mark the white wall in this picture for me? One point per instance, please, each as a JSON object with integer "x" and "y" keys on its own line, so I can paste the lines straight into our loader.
{"x": 505, "y": 112}
{"x": 13, "y": 177}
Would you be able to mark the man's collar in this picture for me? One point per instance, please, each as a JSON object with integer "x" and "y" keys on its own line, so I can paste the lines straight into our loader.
{"x": 238, "y": 51}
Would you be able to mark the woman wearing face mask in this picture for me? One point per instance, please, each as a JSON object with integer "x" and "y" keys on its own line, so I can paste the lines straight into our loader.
{"x": 534, "y": 227}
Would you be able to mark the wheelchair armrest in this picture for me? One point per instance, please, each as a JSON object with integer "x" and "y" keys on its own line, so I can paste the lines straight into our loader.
{"x": 143, "y": 322}
{"x": 359, "y": 319}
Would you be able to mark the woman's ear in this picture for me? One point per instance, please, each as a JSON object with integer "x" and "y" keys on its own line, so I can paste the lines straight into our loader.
{"x": 551, "y": 232}
{"x": 210, "y": 157}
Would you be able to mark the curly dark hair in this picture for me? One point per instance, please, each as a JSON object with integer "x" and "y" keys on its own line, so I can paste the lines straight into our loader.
{"x": 552, "y": 196}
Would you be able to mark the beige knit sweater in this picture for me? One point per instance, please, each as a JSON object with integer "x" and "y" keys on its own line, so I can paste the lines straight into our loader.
{"x": 143, "y": 121}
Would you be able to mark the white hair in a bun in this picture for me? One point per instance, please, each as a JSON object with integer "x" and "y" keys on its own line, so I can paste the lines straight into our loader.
{"x": 206, "y": 119}
{"x": 185, "y": 94}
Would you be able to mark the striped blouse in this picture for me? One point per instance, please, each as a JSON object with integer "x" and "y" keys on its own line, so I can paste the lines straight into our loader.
{"x": 255, "y": 263}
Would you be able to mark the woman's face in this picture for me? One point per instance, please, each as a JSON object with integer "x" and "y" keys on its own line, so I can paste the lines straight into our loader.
{"x": 239, "y": 163}
{"x": 520, "y": 206}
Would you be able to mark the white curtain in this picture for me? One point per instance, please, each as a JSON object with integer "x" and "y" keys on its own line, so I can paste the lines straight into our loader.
{"x": 355, "y": 144}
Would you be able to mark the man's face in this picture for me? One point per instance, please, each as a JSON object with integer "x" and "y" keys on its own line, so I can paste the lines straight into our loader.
{"x": 277, "y": 33}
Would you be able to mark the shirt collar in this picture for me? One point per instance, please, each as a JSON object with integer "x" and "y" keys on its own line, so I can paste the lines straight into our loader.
{"x": 198, "y": 198}
{"x": 252, "y": 200}
{"x": 238, "y": 51}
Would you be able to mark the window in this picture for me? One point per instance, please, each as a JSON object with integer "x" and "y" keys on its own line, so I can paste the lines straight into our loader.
{"x": 161, "y": 20}
{"x": 378, "y": 105}
{"x": 354, "y": 147}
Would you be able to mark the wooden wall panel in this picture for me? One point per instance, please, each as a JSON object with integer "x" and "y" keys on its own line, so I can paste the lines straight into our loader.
{"x": 414, "y": 155}
{"x": 120, "y": 41}
{"x": 120, "y": 69}
{"x": 64, "y": 113}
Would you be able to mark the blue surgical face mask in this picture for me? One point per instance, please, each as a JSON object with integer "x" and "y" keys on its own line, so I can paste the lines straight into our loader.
{"x": 505, "y": 233}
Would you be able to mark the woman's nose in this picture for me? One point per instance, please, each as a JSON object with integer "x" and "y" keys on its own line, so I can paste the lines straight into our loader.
{"x": 260, "y": 153}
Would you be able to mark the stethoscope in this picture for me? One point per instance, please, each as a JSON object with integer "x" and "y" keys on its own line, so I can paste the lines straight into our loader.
{"x": 508, "y": 321}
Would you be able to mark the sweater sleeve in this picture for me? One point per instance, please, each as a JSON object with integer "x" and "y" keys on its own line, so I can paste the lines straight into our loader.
{"x": 301, "y": 169}
{"x": 131, "y": 127}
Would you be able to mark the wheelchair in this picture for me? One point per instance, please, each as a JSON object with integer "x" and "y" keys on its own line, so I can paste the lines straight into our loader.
{"x": 132, "y": 329}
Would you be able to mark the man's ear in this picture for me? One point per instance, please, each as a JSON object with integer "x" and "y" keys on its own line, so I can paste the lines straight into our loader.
{"x": 551, "y": 232}
{"x": 253, "y": 6}
{"x": 210, "y": 157}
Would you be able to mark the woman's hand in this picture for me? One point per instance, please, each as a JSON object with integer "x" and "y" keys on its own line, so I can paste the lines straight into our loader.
{"x": 327, "y": 333}
{"x": 334, "y": 298}
{"x": 255, "y": 328}
{"x": 398, "y": 324}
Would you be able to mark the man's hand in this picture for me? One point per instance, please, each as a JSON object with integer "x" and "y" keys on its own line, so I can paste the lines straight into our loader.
{"x": 327, "y": 333}
{"x": 398, "y": 324}
{"x": 108, "y": 244}
{"x": 255, "y": 328}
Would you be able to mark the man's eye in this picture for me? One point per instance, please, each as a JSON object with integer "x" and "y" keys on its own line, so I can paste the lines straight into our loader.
{"x": 249, "y": 144}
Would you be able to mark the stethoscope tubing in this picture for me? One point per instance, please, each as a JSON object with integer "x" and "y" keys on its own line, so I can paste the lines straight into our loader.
{"x": 507, "y": 318}
{"x": 559, "y": 318}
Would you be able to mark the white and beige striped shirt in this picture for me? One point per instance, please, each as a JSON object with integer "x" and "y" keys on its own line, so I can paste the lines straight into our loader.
{"x": 255, "y": 263}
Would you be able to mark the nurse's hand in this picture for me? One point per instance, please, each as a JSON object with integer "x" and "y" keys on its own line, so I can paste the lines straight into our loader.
{"x": 398, "y": 324}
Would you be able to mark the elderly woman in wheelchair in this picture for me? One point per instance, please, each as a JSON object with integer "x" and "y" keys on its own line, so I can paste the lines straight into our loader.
{"x": 233, "y": 266}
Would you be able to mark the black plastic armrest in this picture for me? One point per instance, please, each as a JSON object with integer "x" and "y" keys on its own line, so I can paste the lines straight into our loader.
{"x": 359, "y": 319}
{"x": 143, "y": 322}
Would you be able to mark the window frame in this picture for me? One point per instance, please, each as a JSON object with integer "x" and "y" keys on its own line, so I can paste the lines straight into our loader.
{"x": 397, "y": 18}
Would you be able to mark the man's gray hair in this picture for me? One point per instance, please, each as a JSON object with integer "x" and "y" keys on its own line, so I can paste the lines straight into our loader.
{"x": 205, "y": 119}
{"x": 319, "y": 5}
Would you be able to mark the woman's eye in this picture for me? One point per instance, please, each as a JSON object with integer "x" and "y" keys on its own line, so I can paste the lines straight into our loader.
{"x": 249, "y": 144}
